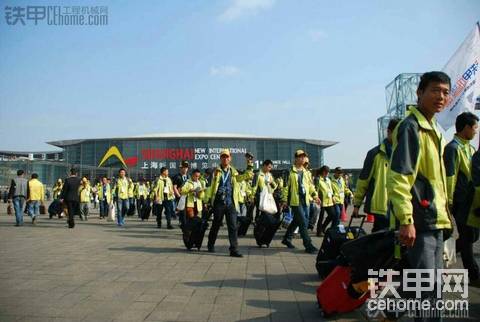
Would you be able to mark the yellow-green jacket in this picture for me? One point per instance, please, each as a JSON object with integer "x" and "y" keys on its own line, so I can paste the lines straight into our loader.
{"x": 131, "y": 188}
{"x": 207, "y": 189}
{"x": 245, "y": 191}
{"x": 159, "y": 189}
{"x": 121, "y": 188}
{"x": 260, "y": 183}
{"x": 35, "y": 190}
{"x": 84, "y": 191}
{"x": 325, "y": 191}
{"x": 290, "y": 193}
{"x": 279, "y": 182}
{"x": 57, "y": 189}
{"x": 236, "y": 179}
{"x": 458, "y": 157}
{"x": 141, "y": 190}
{"x": 192, "y": 199}
{"x": 416, "y": 180}
{"x": 108, "y": 193}
{"x": 372, "y": 182}
{"x": 340, "y": 189}
{"x": 473, "y": 218}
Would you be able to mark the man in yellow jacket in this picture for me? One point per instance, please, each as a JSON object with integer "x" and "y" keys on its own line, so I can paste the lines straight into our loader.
{"x": 35, "y": 196}
{"x": 104, "y": 197}
{"x": 121, "y": 193}
{"x": 194, "y": 190}
{"x": 141, "y": 196}
{"x": 458, "y": 162}
{"x": 164, "y": 197}
{"x": 224, "y": 198}
{"x": 416, "y": 180}
{"x": 371, "y": 184}
{"x": 263, "y": 180}
{"x": 325, "y": 192}
{"x": 340, "y": 189}
{"x": 131, "y": 195}
{"x": 85, "y": 192}
{"x": 297, "y": 194}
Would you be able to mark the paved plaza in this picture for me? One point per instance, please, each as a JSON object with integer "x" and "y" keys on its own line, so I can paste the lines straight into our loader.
{"x": 99, "y": 272}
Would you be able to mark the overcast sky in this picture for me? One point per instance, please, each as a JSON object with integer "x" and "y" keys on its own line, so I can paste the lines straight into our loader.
{"x": 300, "y": 69}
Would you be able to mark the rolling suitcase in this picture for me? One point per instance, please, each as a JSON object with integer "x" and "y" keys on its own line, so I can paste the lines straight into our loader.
{"x": 243, "y": 223}
{"x": 335, "y": 237}
{"x": 336, "y": 294}
{"x": 265, "y": 228}
{"x": 146, "y": 211}
{"x": 194, "y": 232}
{"x": 131, "y": 210}
{"x": 55, "y": 208}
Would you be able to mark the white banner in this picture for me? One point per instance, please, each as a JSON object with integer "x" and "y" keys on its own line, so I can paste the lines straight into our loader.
{"x": 463, "y": 71}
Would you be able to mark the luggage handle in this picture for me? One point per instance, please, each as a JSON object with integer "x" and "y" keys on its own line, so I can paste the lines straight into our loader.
{"x": 361, "y": 224}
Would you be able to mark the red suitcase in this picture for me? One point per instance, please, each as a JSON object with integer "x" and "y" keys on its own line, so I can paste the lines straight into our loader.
{"x": 336, "y": 295}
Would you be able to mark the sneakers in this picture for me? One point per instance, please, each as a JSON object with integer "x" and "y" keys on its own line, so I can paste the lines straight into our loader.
{"x": 288, "y": 243}
{"x": 311, "y": 250}
{"x": 170, "y": 227}
{"x": 235, "y": 253}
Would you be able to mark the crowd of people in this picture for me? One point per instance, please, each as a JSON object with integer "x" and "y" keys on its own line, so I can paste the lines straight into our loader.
{"x": 413, "y": 182}
{"x": 213, "y": 195}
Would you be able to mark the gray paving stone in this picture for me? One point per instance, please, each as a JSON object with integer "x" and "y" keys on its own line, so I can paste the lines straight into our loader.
{"x": 98, "y": 272}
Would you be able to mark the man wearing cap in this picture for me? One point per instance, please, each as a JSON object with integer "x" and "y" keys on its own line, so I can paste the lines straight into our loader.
{"x": 372, "y": 182}
{"x": 340, "y": 189}
{"x": 178, "y": 181}
{"x": 121, "y": 192}
{"x": 298, "y": 193}
{"x": 224, "y": 196}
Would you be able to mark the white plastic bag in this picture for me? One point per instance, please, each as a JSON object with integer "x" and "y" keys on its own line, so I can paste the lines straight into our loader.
{"x": 181, "y": 203}
{"x": 449, "y": 252}
{"x": 112, "y": 214}
{"x": 267, "y": 202}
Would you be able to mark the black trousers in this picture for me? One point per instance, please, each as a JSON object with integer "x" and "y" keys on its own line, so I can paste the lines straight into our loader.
{"x": 73, "y": 208}
{"x": 141, "y": 202}
{"x": 250, "y": 208}
{"x": 221, "y": 210}
{"x": 321, "y": 227}
{"x": 166, "y": 205}
{"x": 467, "y": 236}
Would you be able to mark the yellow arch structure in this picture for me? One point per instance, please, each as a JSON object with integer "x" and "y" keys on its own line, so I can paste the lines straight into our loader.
{"x": 112, "y": 151}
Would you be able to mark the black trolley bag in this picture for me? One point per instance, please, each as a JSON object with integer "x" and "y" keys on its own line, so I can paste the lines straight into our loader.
{"x": 194, "y": 232}
{"x": 379, "y": 250}
{"x": 131, "y": 209}
{"x": 265, "y": 228}
{"x": 328, "y": 255}
{"x": 146, "y": 209}
{"x": 243, "y": 223}
{"x": 55, "y": 209}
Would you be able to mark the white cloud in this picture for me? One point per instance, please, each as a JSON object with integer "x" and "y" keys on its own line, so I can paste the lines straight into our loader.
{"x": 224, "y": 71}
{"x": 239, "y": 8}
{"x": 317, "y": 35}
